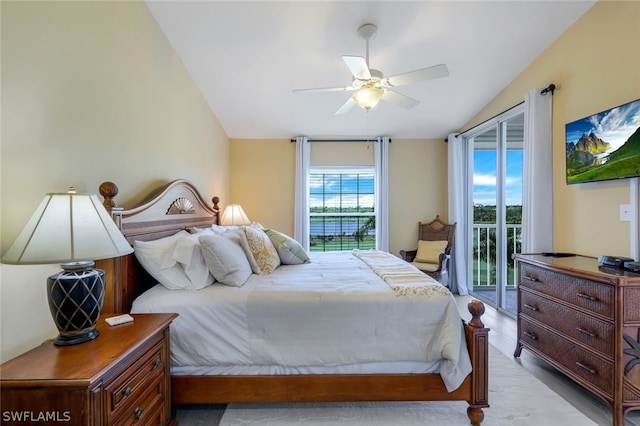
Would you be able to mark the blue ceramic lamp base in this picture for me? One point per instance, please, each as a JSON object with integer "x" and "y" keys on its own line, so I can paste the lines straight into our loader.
{"x": 75, "y": 296}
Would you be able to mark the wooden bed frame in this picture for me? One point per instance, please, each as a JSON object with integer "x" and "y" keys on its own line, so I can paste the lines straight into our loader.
{"x": 177, "y": 206}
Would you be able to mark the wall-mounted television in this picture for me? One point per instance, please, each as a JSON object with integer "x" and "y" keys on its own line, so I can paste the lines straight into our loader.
{"x": 605, "y": 145}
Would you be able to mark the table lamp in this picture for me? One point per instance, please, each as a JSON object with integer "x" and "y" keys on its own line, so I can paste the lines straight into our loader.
{"x": 73, "y": 230}
{"x": 234, "y": 215}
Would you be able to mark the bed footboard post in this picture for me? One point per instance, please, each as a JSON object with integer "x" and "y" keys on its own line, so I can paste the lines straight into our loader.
{"x": 478, "y": 343}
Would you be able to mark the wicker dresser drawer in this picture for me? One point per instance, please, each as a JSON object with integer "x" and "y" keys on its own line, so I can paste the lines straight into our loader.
{"x": 578, "y": 361}
{"x": 595, "y": 333}
{"x": 586, "y": 294}
{"x": 134, "y": 380}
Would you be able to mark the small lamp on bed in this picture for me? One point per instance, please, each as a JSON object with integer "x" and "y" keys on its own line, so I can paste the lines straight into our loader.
{"x": 73, "y": 230}
{"x": 234, "y": 215}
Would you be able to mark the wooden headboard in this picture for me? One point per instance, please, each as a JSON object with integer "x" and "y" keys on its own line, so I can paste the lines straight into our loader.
{"x": 174, "y": 207}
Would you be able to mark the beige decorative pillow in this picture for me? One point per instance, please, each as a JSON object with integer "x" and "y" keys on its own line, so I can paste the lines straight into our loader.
{"x": 261, "y": 253}
{"x": 429, "y": 251}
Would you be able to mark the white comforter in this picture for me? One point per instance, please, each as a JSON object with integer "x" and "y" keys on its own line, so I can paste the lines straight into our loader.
{"x": 335, "y": 314}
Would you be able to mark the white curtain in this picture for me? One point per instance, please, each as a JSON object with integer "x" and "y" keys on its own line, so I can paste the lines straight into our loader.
{"x": 457, "y": 190}
{"x": 382, "y": 193}
{"x": 537, "y": 190}
{"x": 301, "y": 211}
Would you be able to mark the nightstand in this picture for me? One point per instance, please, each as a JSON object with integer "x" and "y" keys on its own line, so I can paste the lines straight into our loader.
{"x": 120, "y": 378}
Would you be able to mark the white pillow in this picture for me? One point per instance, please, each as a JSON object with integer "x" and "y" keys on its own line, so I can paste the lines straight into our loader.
{"x": 221, "y": 229}
{"x": 225, "y": 258}
{"x": 152, "y": 255}
{"x": 187, "y": 251}
{"x": 289, "y": 250}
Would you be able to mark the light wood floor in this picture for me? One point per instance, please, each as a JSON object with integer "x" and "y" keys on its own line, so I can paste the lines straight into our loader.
{"x": 503, "y": 337}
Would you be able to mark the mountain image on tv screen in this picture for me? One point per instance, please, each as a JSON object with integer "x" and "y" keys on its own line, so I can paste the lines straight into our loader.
{"x": 605, "y": 145}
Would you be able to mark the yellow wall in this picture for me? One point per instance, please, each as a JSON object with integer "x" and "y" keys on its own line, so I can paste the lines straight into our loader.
{"x": 349, "y": 154}
{"x": 91, "y": 91}
{"x": 261, "y": 180}
{"x": 263, "y": 174}
{"x": 595, "y": 65}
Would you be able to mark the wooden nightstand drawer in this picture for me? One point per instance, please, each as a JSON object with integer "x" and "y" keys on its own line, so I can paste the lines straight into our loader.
{"x": 579, "y": 361}
{"x": 133, "y": 380}
{"x": 586, "y": 294}
{"x": 155, "y": 418}
{"x": 593, "y": 332}
{"x": 144, "y": 410}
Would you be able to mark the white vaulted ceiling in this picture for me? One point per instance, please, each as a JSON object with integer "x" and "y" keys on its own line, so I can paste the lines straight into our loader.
{"x": 247, "y": 58}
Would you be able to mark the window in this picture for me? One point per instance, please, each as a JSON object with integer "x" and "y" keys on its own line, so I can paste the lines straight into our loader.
{"x": 341, "y": 208}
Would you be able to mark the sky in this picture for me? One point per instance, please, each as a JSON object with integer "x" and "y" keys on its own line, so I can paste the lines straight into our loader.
{"x": 484, "y": 178}
{"x": 350, "y": 196}
{"x": 613, "y": 126}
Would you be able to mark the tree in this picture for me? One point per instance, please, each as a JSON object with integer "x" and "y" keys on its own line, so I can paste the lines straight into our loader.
{"x": 363, "y": 231}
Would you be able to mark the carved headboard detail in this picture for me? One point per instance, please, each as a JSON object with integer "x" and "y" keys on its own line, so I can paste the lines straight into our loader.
{"x": 174, "y": 207}
{"x": 181, "y": 206}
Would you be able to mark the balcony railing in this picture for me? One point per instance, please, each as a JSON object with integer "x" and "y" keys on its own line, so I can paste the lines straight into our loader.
{"x": 484, "y": 254}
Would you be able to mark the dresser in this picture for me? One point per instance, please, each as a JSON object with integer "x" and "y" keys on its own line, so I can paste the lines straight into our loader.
{"x": 584, "y": 319}
{"x": 119, "y": 378}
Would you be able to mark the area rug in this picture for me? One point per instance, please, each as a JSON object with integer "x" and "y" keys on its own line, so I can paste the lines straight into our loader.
{"x": 516, "y": 398}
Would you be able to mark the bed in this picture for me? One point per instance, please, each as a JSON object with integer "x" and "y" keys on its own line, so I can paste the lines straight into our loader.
{"x": 261, "y": 369}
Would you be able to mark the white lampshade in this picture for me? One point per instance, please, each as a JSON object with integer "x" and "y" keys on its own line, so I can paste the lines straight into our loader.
{"x": 65, "y": 228}
{"x": 234, "y": 215}
{"x": 72, "y": 230}
{"x": 368, "y": 97}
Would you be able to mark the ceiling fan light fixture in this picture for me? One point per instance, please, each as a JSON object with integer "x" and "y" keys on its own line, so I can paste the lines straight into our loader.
{"x": 368, "y": 97}
{"x": 370, "y": 85}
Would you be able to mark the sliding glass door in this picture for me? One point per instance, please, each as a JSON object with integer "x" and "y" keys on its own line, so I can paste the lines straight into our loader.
{"x": 495, "y": 208}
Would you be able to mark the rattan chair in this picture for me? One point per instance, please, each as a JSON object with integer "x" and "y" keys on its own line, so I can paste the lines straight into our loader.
{"x": 435, "y": 243}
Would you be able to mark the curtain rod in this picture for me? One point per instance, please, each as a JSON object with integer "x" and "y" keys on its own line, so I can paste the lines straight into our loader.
{"x": 550, "y": 88}
{"x": 487, "y": 120}
{"x": 342, "y": 140}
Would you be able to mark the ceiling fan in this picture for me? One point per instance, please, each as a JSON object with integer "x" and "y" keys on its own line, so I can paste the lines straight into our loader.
{"x": 370, "y": 85}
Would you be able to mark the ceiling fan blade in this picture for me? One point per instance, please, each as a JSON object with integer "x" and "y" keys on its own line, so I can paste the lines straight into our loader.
{"x": 399, "y": 99}
{"x": 326, "y": 89}
{"x": 436, "y": 71}
{"x": 358, "y": 67}
{"x": 346, "y": 107}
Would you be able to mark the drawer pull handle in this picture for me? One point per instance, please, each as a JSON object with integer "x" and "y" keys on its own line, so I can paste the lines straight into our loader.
{"x": 528, "y": 278}
{"x": 588, "y": 297}
{"x": 138, "y": 412}
{"x": 157, "y": 363}
{"x": 530, "y": 307}
{"x": 530, "y": 335}
{"x": 126, "y": 391}
{"x": 586, "y": 368}
{"x": 587, "y": 332}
